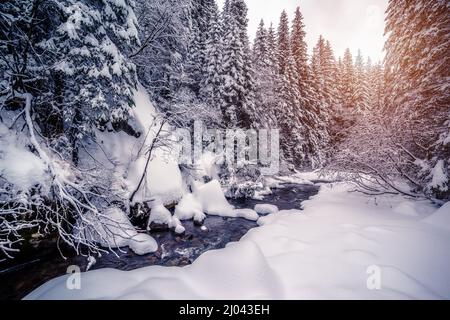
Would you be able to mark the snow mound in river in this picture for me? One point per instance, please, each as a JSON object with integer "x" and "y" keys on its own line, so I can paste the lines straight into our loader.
{"x": 266, "y": 209}
{"x": 113, "y": 229}
{"x": 209, "y": 198}
{"x": 189, "y": 208}
{"x": 212, "y": 199}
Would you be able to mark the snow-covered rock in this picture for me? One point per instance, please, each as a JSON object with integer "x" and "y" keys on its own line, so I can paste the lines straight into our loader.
{"x": 189, "y": 208}
{"x": 110, "y": 228}
{"x": 175, "y": 223}
{"x": 142, "y": 244}
{"x": 113, "y": 229}
{"x": 248, "y": 214}
{"x": 265, "y": 209}
{"x": 160, "y": 215}
{"x": 212, "y": 199}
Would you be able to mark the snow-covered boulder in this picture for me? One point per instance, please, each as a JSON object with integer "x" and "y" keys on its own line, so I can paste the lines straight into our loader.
{"x": 113, "y": 229}
{"x": 248, "y": 214}
{"x": 212, "y": 199}
{"x": 265, "y": 209}
{"x": 189, "y": 208}
{"x": 142, "y": 244}
{"x": 160, "y": 216}
{"x": 176, "y": 225}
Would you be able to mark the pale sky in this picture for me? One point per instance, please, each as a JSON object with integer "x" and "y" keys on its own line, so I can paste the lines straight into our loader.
{"x": 356, "y": 24}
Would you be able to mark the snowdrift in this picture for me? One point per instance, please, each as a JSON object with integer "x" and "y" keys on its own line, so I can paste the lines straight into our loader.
{"x": 323, "y": 252}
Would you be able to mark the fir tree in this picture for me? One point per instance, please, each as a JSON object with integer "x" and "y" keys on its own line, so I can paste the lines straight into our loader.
{"x": 265, "y": 78}
{"x": 237, "y": 92}
{"x": 290, "y": 115}
{"x": 212, "y": 78}
{"x": 361, "y": 86}
{"x": 347, "y": 76}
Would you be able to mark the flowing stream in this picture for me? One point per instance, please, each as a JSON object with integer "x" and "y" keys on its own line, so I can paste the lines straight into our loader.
{"x": 41, "y": 261}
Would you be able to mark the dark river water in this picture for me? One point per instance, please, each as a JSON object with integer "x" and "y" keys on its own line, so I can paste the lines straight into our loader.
{"x": 41, "y": 261}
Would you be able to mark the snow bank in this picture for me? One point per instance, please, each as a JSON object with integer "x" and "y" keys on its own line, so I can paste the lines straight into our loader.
{"x": 113, "y": 229}
{"x": 413, "y": 209}
{"x": 323, "y": 252}
{"x": 441, "y": 218}
{"x": 209, "y": 276}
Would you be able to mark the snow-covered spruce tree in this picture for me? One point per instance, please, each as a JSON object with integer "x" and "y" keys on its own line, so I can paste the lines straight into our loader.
{"x": 237, "y": 92}
{"x": 300, "y": 53}
{"x": 64, "y": 74}
{"x": 417, "y": 98}
{"x": 265, "y": 75}
{"x": 202, "y": 14}
{"x": 323, "y": 90}
{"x": 325, "y": 73}
{"x": 376, "y": 85}
{"x": 291, "y": 113}
{"x": 93, "y": 42}
{"x": 212, "y": 78}
{"x": 347, "y": 81}
{"x": 361, "y": 85}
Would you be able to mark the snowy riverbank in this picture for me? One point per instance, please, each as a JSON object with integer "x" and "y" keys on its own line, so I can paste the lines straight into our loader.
{"x": 322, "y": 252}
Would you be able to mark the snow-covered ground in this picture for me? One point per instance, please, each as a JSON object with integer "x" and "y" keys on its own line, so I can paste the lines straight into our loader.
{"x": 342, "y": 246}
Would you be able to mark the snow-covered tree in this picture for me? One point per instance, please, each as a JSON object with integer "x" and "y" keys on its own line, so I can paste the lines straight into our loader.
{"x": 290, "y": 113}
{"x": 300, "y": 53}
{"x": 417, "y": 96}
{"x": 65, "y": 73}
{"x": 72, "y": 56}
{"x": 376, "y": 85}
{"x": 238, "y": 87}
{"x": 265, "y": 75}
{"x": 212, "y": 79}
{"x": 347, "y": 82}
{"x": 161, "y": 58}
{"x": 361, "y": 84}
